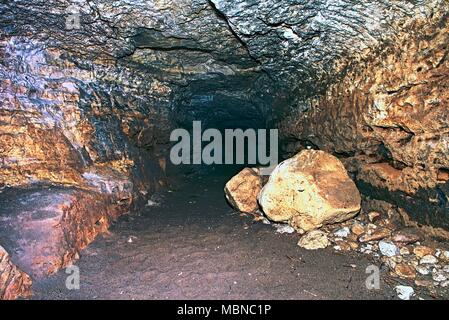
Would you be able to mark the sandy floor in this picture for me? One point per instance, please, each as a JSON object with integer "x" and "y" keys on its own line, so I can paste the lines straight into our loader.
{"x": 195, "y": 247}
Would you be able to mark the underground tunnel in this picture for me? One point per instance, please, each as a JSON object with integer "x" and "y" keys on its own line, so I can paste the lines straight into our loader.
{"x": 93, "y": 205}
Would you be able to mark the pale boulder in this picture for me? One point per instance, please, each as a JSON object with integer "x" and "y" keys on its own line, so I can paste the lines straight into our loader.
{"x": 242, "y": 190}
{"x": 310, "y": 190}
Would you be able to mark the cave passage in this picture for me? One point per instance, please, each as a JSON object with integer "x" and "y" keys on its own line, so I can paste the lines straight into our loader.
{"x": 93, "y": 204}
{"x": 194, "y": 246}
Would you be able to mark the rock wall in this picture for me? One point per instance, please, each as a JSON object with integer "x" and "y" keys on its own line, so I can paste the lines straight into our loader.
{"x": 81, "y": 142}
{"x": 14, "y": 283}
{"x": 45, "y": 228}
{"x": 61, "y": 120}
{"x": 388, "y": 120}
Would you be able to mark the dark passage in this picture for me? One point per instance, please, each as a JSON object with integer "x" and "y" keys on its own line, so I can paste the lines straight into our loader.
{"x": 93, "y": 91}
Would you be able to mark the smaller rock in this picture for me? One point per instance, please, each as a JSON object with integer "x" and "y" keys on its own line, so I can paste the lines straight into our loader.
{"x": 374, "y": 216}
{"x": 357, "y": 229}
{"x": 388, "y": 248}
{"x": 389, "y": 262}
{"x": 424, "y": 283}
{"x": 265, "y": 221}
{"x": 446, "y": 268}
{"x": 242, "y": 190}
{"x": 354, "y": 245}
{"x": 343, "y": 246}
{"x": 439, "y": 276}
{"x": 343, "y": 232}
{"x": 405, "y": 271}
{"x": 422, "y": 270}
{"x": 422, "y": 251}
{"x": 283, "y": 228}
{"x": 367, "y": 248}
{"x": 404, "y": 292}
{"x": 315, "y": 239}
{"x": 404, "y": 251}
{"x": 397, "y": 259}
{"x": 151, "y": 203}
{"x": 428, "y": 260}
{"x": 444, "y": 284}
{"x": 387, "y": 223}
{"x": 405, "y": 237}
{"x": 352, "y": 237}
{"x": 444, "y": 255}
{"x": 376, "y": 235}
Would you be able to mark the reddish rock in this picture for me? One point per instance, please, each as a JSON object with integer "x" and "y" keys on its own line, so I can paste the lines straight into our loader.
{"x": 388, "y": 117}
{"x": 374, "y": 216}
{"x": 14, "y": 283}
{"x": 45, "y": 228}
{"x": 357, "y": 229}
{"x": 405, "y": 271}
{"x": 376, "y": 235}
{"x": 405, "y": 236}
{"x": 422, "y": 251}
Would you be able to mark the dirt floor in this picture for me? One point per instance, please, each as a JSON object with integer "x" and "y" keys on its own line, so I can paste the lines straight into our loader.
{"x": 194, "y": 246}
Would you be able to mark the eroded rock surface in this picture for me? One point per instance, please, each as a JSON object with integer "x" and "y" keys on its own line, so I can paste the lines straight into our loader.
{"x": 242, "y": 190}
{"x": 90, "y": 91}
{"x": 388, "y": 121}
{"x": 14, "y": 283}
{"x": 44, "y": 228}
{"x": 310, "y": 190}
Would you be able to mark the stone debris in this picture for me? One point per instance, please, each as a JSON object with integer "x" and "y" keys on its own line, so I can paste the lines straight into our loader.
{"x": 404, "y": 251}
{"x": 357, "y": 229}
{"x": 398, "y": 248}
{"x": 422, "y": 270}
{"x": 151, "y": 203}
{"x": 404, "y": 270}
{"x": 428, "y": 260}
{"x": 374, "y": 216}
{"x": 405, "y": 237}
{"x": 283, "y": 228}
{"x": 439, "y": 276}
{"x": 375, "y": 235}
{"x": 404, "y": 292}
{"x": 424, "y": 283}
{"x": 421, "y": 251}
{"x": 444, "y": 256}
{"x": 388, "y": 248}
{"x": 315, "y": 239}
{"x": 343, "y": 232}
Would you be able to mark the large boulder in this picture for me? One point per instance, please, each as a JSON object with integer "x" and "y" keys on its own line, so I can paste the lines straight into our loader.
{"x": 14, "y": 283}
{"x": 242, "y": 190}
{"x": 310, "y": 190}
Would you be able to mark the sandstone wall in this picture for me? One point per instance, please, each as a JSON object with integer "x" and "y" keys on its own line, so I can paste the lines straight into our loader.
{"x": 388, "y": 119}
{"x": 81, "y": 142}
{"x": 14, "y": 283}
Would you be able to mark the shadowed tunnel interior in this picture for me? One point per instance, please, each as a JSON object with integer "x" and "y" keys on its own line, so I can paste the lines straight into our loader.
{"x": 91, "y": 90}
